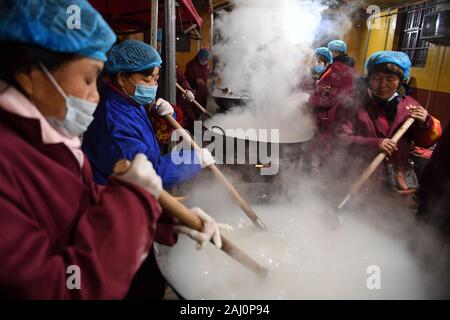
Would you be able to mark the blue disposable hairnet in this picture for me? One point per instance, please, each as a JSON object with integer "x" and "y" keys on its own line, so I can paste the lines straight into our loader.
{"x": 203, "y": 54}
{"x": 337, "y": 45}
{"x": 69, "y": 26}
{"x": 324, "y": 52}
{"x": 398, "y": 58}
{"x": 132, "y": 56}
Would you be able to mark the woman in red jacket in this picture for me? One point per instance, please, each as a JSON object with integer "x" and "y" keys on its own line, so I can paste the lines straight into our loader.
{"x": 381, "y": 108}
{"x": 61, "y": 235}
{"x": 332, "y": 91}
{"x": 185, "y": 100}
{"x": 197, "y": 73}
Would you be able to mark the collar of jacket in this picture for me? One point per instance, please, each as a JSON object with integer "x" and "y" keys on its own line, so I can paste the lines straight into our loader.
{"x": 401, "y": 113}
{"x": 117, "y": 94}
{"x": 15, "y": 102}
{"x": 30, "y": 130}
{"x": 325, "y": 73}
{"x": 389, "y": 106}
{"x": 345, "y": 59}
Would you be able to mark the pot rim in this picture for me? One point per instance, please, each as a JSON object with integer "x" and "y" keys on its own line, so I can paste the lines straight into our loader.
{"x": 210, "y": 127}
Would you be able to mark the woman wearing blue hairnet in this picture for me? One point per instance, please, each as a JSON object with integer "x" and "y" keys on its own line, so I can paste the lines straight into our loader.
{"x": 197, "y": 73}
{"x": 332, "y": 90}
{"x": 121, "y": 127}
{"x": 380, "y": 108}
{"x": 63, "y": 236}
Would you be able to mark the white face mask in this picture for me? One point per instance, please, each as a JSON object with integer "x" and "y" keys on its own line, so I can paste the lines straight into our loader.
{"x": 78, "y": 115}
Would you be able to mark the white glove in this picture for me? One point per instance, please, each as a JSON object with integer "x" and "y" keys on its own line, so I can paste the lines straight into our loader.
{"x": 142, "y": 173}
{"x": 206, "y": 158}
{"x": 189, "y": 96}
{"x": 210, "y": 230}
{"x": 163, "y": 107}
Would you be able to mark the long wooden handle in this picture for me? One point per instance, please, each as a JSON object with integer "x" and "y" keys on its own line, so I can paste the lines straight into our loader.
{"x": 375, "y": 163}
{"x": 181, "y": 198}
{"x": 198, "y": 105}
{"x": 213, "y": 168}
{"x": 402, "y": 130}
{"x": 179, "y": 211}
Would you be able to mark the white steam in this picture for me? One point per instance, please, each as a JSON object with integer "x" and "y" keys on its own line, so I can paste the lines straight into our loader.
{"x": 305, "y": 258}
{"x": 265, "y": 48}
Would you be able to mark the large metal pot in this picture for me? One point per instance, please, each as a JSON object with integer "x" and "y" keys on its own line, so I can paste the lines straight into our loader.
{"x": 227, "y": 100}
{"x": 309, "y": 261}
{"x": 289, "y": 151}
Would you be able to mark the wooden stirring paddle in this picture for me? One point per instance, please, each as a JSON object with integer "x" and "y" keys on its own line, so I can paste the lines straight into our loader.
{"x": 198, "y": 105}
{"x": 179, "y": 211}
{"x": 230, "y": 188}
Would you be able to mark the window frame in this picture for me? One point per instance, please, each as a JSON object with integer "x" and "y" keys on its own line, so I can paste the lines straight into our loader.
{"x": 416, "y": 48}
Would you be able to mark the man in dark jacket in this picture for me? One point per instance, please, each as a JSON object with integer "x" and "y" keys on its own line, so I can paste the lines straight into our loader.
{"x": 434, "y": 204}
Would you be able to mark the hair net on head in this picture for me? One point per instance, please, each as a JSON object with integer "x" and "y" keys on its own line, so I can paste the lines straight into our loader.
{"x": 398, "y": 58}
{"x": 69, "y": 26}
{"x": 132, "y": 56}
{"x": 203, "y": 54}
{"x": 337, "y": 45}
{"x": 325, "y": 52}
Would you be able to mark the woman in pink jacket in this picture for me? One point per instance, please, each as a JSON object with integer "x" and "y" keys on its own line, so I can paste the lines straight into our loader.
{"x": 380, "y": 109}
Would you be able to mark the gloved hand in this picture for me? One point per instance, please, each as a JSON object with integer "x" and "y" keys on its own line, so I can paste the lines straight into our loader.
{"x": 163, "y": 108}
{"x": 142, "y": 173}
{"x": 206, "y": 158}
{"x": 211, "y": 230}
{"x": 189, "y": 96}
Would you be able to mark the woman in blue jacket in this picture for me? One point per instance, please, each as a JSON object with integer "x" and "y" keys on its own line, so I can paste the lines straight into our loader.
{"x": 121, "y": 127}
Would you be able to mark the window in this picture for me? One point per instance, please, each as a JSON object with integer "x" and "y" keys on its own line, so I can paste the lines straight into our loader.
{"x": 411, "y": 43}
